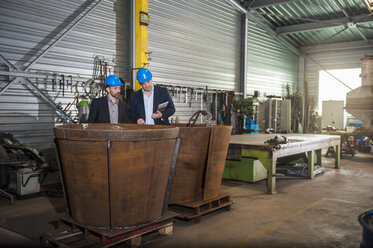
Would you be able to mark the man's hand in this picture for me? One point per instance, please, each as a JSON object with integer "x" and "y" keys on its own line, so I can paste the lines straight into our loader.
{"x": 157, "y": 115}
{"x": 140, "y": 121}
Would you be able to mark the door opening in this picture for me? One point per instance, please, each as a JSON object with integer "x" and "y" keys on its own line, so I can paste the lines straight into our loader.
{"x": 332, "y": 91}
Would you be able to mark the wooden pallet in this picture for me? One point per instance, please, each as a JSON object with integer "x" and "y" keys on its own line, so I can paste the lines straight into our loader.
{"x": 71, "y": 234}
{"x": 193, "y": 210}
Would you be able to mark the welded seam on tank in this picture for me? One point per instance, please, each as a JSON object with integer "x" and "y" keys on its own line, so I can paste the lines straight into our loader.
{"x": 171, "y": 176}
{"x": 109, "y": 145}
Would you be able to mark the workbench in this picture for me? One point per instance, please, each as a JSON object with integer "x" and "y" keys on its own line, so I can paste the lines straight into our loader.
{"x": 253, "y": 146}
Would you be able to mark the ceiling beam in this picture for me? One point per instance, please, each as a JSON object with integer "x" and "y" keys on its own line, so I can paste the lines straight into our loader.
{"x": 337, "y": 46}
{"x": 311, "y": 26}
{"x": 263, "y": 26}
{"x": 267, "y": 3}
{"x": 291, "y": 17}
{"x": 349, "y": 18}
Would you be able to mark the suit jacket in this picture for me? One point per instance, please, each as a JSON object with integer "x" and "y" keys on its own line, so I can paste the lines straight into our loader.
{"x": 99, "y": 112}
{"x": 161, "y": 95}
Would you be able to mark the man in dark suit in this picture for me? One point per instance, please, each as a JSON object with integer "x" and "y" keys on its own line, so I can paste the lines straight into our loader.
{"x": 109, "y": 109}
{"x": 145, "y": 102}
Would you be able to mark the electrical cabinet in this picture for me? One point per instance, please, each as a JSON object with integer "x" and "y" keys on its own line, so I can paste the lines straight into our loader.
{"x": 332, "y": 114}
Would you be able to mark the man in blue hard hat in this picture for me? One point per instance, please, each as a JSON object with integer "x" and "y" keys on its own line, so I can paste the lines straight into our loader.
{"x": 109, "y": 109}
{"x": 152, "y": 104}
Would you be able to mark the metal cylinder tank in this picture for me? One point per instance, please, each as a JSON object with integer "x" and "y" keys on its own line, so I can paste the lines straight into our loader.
{"x": 200, "y": 162}
{"x": 115, "y": 175}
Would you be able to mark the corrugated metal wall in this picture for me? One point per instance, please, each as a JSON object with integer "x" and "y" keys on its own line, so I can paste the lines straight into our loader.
{"x": 197, "y": 44}
{"x": 194, "y": 43}
{"x": 27, "y": 27}
{"x": 341, "y": 59}
{"x": 270, "y": 65}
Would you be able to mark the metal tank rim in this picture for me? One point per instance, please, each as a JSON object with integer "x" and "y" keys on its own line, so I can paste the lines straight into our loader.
{"x": 115, "y": 132}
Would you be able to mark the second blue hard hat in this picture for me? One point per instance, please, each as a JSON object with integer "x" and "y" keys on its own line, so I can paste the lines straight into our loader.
{"x": 143, "y": 75}
{"x": 113, "y": 80}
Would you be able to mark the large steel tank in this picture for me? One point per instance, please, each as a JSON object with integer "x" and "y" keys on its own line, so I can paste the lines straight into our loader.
{"x": 200, "y": 162}
{"x": 115, "y": 175}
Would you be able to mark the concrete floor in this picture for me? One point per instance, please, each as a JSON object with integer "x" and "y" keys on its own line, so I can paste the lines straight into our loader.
{"x": 304, "y": 213}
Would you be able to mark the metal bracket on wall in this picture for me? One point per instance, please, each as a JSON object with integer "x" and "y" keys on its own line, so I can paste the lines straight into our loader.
{"x": 60, "y": 37}
{"x": 33, "y": 87}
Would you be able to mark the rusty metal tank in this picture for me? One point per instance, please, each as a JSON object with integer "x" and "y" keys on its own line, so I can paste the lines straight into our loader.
{"x": 115, "y": 175}
{"x": 200, "y": 162}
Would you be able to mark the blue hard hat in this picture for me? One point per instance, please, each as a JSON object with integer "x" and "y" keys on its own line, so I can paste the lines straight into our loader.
{"x": 113, "y": 80}
{"x": 143, "y": 75}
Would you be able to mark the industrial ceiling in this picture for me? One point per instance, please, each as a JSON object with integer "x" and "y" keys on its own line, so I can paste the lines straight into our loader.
{"x": 315, "y": 22}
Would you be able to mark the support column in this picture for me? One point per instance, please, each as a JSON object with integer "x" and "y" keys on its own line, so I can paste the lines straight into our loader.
{"x": 243, "y": 58}
{"x": 271, "y": 177}
{"x": 310, "y": 163}
{"x": 141, "y": 35}
{"x": 319, "y": 157}
{"x": 300, "y": 87}
{"x": 243, "y": 53}
{"x": 337, "y": 156}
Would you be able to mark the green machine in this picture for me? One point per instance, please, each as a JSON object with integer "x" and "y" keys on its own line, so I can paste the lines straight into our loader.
{"x": 244, "y": 165}
{"x": 247, "y": 169}
{"x": 240, "y": 167}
